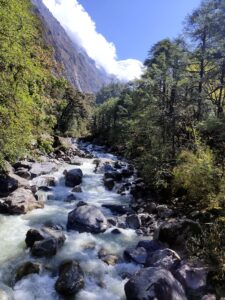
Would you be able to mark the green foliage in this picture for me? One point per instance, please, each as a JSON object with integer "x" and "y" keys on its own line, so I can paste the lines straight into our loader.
{"x": 45, "y": 143}
{"x": 112, "y": 90}
{"x": 197, "y": 175}
{"x": 32, "y": 100}
{"x": 76, "y": 114}
{"x": 155, "y": 120}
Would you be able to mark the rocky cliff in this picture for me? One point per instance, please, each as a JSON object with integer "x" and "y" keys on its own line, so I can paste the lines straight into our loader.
{"x": 77, "y": 66}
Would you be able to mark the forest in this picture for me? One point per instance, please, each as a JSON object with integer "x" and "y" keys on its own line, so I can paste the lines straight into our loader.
{"x": 171, "y": 123}
{"x": 35, "y": 102}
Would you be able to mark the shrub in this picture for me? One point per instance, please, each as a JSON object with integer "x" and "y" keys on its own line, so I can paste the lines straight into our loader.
{"x": 198, "y": 176}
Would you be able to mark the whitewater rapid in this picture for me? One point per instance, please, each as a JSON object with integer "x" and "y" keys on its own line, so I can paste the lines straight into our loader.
{"x": 102, "y": 282}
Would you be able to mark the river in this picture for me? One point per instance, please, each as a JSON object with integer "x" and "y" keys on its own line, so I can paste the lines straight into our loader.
{"x": 102, "y": 281}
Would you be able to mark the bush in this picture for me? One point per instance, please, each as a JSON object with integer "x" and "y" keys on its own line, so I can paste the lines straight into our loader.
{"x": 45, "y": 144}
{"x": 196, "y": 174}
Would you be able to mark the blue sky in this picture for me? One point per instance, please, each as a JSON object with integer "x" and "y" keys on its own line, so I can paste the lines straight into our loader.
{"x": 135, "y": 25}
{"x": 117, "y": 34}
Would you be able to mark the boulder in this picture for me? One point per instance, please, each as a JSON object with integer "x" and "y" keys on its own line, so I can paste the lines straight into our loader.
{"x": 45, "y": 241}
{"x": 175, "y": 231}
{"x": 8, "y": 184}
{"x": 165, "y": 258}
{"x": 121, "y": 221}
{"x": 115, "y": 175}
{"x": 87, "y": 218}
{"x": 45, "y": 248}
{"x": 112, "y": 221}
{"x": 46, "y": 181}
{"x": 23, "y": 164}
{"x": 116, "y": 231}
{"x": 151, "y": 245}
{"x": 70, "y": 279}
{"x": 43, "y": 168}
{"x": 76, "y": 161}
{"x": 133, "y": 221}
{"x": 109, "y": 183}
{"x": 137, "y": 255}
{"x": 154, "y": 283}
{"x": 70, "y": 198}
{"x": 108, "y": 258}
{"x": 119, "y": 165}
{"x": 20, "y": 201}
{"x": 107, "y": 167}
{"x": 164, "y": 212}
{"x": 26, "y": 269}
{"x": 77, "y": 189}
{"x": 81, "y": 203}
{"x": 152, "y": 207}
{"x": 23, "y": 172}
{"x": 124, "y": 188}
{"x": 191, "y": 277}
{"x": 118, "y": 209}
{"x": 73, "y": 177}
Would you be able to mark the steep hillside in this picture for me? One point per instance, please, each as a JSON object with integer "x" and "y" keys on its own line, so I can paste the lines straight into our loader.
{"x": 78, "y": 68}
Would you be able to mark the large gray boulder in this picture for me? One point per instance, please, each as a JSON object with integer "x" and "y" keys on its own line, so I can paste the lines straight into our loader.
{"x": 138, "y": 255}
{"x": 174, "y": 232}
{"x": 87, "y": 218}
{"x": 133, "y": 221}
{"x": 165, "y": 258}
{"x": 70, "y": 279}
{"x": 193, "y": 278}
{"x": 154, "y": 283}
{"x": 45, "y": 241}
{"x": 73, "y": 177}
{"x": 20, "y": 201}
{"x": 43, "y": 168}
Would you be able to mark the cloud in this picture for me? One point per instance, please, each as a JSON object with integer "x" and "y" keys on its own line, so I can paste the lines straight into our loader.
{"x": 82, "y": 29}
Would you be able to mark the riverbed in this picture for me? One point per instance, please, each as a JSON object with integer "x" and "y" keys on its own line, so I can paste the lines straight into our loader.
{"x": 102, "y": 281}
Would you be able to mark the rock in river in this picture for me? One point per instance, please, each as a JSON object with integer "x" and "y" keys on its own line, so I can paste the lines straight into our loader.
{"x": 70, "y": 279}
{"x": 43, "y": 168}
{"x": 26, "y": 269}
{"x": 87, "y": 218}
{"x": 19, "y": 202}
{"x": 154, "y": 283}
{"x": 73, "y": 177}
{"x": 45, "y": 241}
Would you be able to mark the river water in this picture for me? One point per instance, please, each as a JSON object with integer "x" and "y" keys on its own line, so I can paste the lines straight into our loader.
{"x": 102, "y": 282}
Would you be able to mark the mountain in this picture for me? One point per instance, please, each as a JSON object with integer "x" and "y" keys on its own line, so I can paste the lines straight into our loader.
{"x": 77, "y": 67}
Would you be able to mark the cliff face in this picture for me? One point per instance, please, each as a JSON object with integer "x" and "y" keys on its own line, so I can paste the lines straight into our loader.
{"x": 77, "y": 67}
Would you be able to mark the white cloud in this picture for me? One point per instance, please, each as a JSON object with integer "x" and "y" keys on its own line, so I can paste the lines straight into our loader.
{"x": 81, "y": 28}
